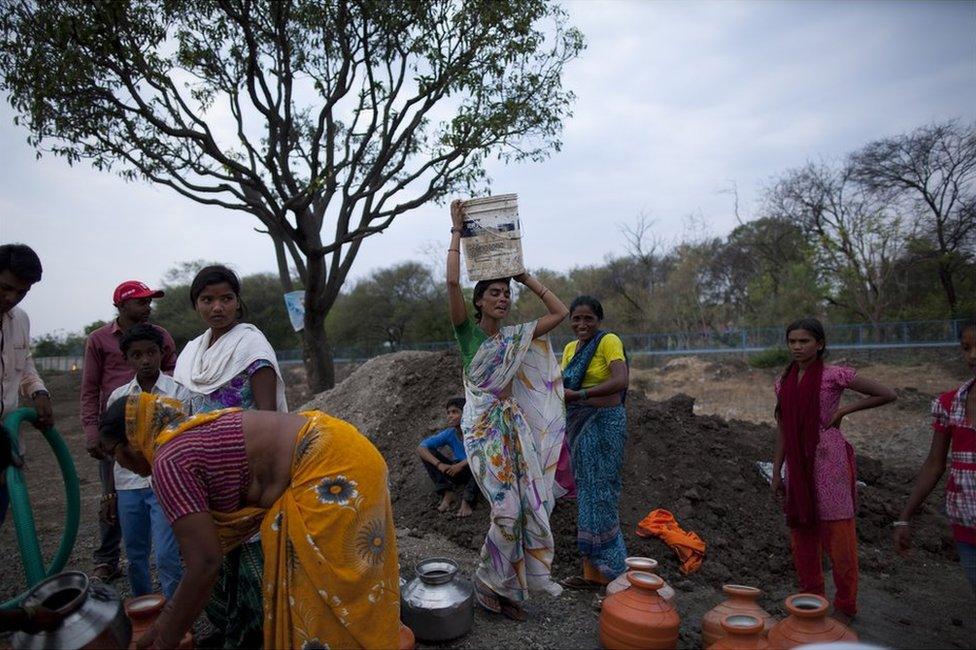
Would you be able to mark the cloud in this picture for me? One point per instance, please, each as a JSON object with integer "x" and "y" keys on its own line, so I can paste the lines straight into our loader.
{"x": 676, "y": 100}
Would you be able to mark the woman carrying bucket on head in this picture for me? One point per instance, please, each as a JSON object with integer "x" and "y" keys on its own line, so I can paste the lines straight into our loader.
{"x": 513, "y": 425}
{"x": 820, "y": 470}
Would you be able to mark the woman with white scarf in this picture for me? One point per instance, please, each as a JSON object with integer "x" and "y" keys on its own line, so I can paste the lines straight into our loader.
{"x": 231, "y": 365}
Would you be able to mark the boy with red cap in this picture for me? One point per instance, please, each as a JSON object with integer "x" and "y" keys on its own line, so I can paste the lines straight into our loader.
{"x": 106, "y": 369}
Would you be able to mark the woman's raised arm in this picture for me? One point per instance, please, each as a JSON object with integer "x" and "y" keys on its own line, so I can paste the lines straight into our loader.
{"x": 455, "y": 299}
{"x": 557, "y": 310}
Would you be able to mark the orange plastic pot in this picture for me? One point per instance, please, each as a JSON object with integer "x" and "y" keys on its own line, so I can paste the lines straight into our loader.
{"x": 741, "y": 600}
{"x": 143, "y": 612}
{"x": 638, "y": 563}
{"x": 742, "y": 632}
{"x": 407, "y": 640}
{"x": 638, "y": 618}
{"x": 808, "y": 623}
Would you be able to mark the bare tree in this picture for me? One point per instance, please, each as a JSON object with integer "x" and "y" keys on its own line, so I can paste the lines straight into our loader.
{"x": 858, "y": 239}
{"x": 634, "y": 275}
{"x": 934, "y": 169}
{"x": 343, "y": 114}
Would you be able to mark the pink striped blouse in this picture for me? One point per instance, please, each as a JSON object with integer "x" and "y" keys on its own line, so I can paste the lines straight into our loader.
{"x": 203, "y": 469}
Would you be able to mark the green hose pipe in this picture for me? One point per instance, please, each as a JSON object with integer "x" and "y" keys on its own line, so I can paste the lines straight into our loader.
{"x": 30, "y": 550}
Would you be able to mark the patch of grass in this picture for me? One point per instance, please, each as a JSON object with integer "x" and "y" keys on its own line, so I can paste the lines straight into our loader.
{"x": 770, "y": 358}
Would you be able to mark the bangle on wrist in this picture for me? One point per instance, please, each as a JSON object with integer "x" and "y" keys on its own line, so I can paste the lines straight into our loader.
{"x": 454, "y": 250}
{"x": 901, "y": 523}
{"x": 583, "y": 394}
{"x": 30, "y": 611}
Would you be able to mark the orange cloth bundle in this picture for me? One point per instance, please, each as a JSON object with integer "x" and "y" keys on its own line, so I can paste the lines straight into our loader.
{"x": 689, "y": 546}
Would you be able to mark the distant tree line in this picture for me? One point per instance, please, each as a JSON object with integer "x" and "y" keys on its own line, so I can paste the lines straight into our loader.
{"x": 887, "y": 233}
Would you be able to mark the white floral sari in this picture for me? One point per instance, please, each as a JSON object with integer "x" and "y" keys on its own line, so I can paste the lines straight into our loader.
{"x": 514, "y": 422}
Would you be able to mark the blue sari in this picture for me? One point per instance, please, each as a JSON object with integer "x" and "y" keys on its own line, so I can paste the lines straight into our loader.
{"x": 596, "y": 443}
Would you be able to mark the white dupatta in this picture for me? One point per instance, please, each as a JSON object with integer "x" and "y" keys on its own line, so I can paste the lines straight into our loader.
{"x": 203, "y": 368}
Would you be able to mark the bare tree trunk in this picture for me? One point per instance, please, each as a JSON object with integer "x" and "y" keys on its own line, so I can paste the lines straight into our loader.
{"x": 319, "y": 365}
{"x": 945, "y": 279}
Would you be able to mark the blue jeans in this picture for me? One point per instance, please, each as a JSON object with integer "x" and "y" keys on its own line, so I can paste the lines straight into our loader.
{"x": 967, "y": 558}
{"x": 143, "y": 522}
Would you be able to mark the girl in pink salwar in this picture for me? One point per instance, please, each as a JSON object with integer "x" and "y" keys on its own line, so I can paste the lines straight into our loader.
{"x": 820, "y": 470}
{"x": 513, "y": 425}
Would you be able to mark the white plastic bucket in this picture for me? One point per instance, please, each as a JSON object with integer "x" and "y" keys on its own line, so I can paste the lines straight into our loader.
{"x": 492, "y": 237}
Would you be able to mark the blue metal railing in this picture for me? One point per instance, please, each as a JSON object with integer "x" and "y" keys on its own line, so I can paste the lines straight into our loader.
{"x": 896, "y": 334}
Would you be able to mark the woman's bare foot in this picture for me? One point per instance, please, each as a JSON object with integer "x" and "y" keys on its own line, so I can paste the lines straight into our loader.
{"x": 465, "y": 509}
{"x": 446, "y": 502}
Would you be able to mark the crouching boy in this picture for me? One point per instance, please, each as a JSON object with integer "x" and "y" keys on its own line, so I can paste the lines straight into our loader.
{"x": 142, "y": 520}
{"x": 450, "y": 475}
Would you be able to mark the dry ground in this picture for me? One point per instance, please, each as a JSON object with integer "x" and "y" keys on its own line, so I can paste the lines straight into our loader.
{"x": 929, "y": 606}
{"x": 898, "y": 434}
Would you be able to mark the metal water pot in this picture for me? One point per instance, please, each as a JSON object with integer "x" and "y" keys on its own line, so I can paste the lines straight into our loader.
{"x": 92, "y": 614}
{"x": 438, "y": 605}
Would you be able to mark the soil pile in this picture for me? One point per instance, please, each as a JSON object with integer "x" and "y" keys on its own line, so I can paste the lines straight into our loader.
{"x": 701, "y": 468}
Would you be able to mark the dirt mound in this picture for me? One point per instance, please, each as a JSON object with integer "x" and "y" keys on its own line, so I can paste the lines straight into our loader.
{"x": 702, "y": 468}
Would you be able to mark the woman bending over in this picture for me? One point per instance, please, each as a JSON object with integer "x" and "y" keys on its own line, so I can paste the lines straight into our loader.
{"x": 314, "y": 486}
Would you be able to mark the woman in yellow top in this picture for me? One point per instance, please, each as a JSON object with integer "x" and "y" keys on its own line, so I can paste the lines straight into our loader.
{"x": 595, "y": 377}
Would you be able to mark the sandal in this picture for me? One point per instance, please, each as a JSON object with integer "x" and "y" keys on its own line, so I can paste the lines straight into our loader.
{"x": 106, "y": 573}
{"x": 496, "y": 604}
{"x": 487, "y": 598}
{"x": 512, "y": 610}
{"x": 598, "y": 603}
{"x": 579, "y": 583}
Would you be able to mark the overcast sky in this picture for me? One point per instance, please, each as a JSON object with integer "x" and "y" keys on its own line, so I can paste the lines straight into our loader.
{"x": 676, "y": 103}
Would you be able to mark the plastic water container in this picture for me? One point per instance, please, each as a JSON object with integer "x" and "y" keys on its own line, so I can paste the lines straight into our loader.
{"x": 492, "y": 237}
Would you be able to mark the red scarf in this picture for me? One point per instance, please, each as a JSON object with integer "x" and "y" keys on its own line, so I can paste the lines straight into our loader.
{"x": 799, "y": 420}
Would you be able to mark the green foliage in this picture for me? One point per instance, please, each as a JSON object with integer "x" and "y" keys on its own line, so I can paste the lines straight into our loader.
{"x": 59, "y": 344}
{"x": 400, "y": 304}
{"x": 345, "y": 115}
{"x": 770, "y": 358}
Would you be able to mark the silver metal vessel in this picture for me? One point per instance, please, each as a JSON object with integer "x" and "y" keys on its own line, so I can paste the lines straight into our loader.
{"x": 438, "y": 605}
{"x": 92, "y": 614}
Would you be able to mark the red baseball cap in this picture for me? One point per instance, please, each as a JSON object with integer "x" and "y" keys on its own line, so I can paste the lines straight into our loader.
{"x": 133, "y": 290}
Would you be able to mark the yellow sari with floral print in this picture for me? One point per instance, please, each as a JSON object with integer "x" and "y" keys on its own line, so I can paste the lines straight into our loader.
{"x": 330, "y": 561}
{"x": 331, "y": 577}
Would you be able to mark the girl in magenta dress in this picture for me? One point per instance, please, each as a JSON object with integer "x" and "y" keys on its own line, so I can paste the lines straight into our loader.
{"x": 820, "y": 476}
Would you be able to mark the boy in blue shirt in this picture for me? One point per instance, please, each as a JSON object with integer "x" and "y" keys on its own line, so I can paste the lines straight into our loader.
{"x": 450, "y": 476}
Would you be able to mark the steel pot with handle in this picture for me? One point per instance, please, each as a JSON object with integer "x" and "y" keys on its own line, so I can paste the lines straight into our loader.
{"x": 438, "y": 604}
{"x": 91, "y": 613}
